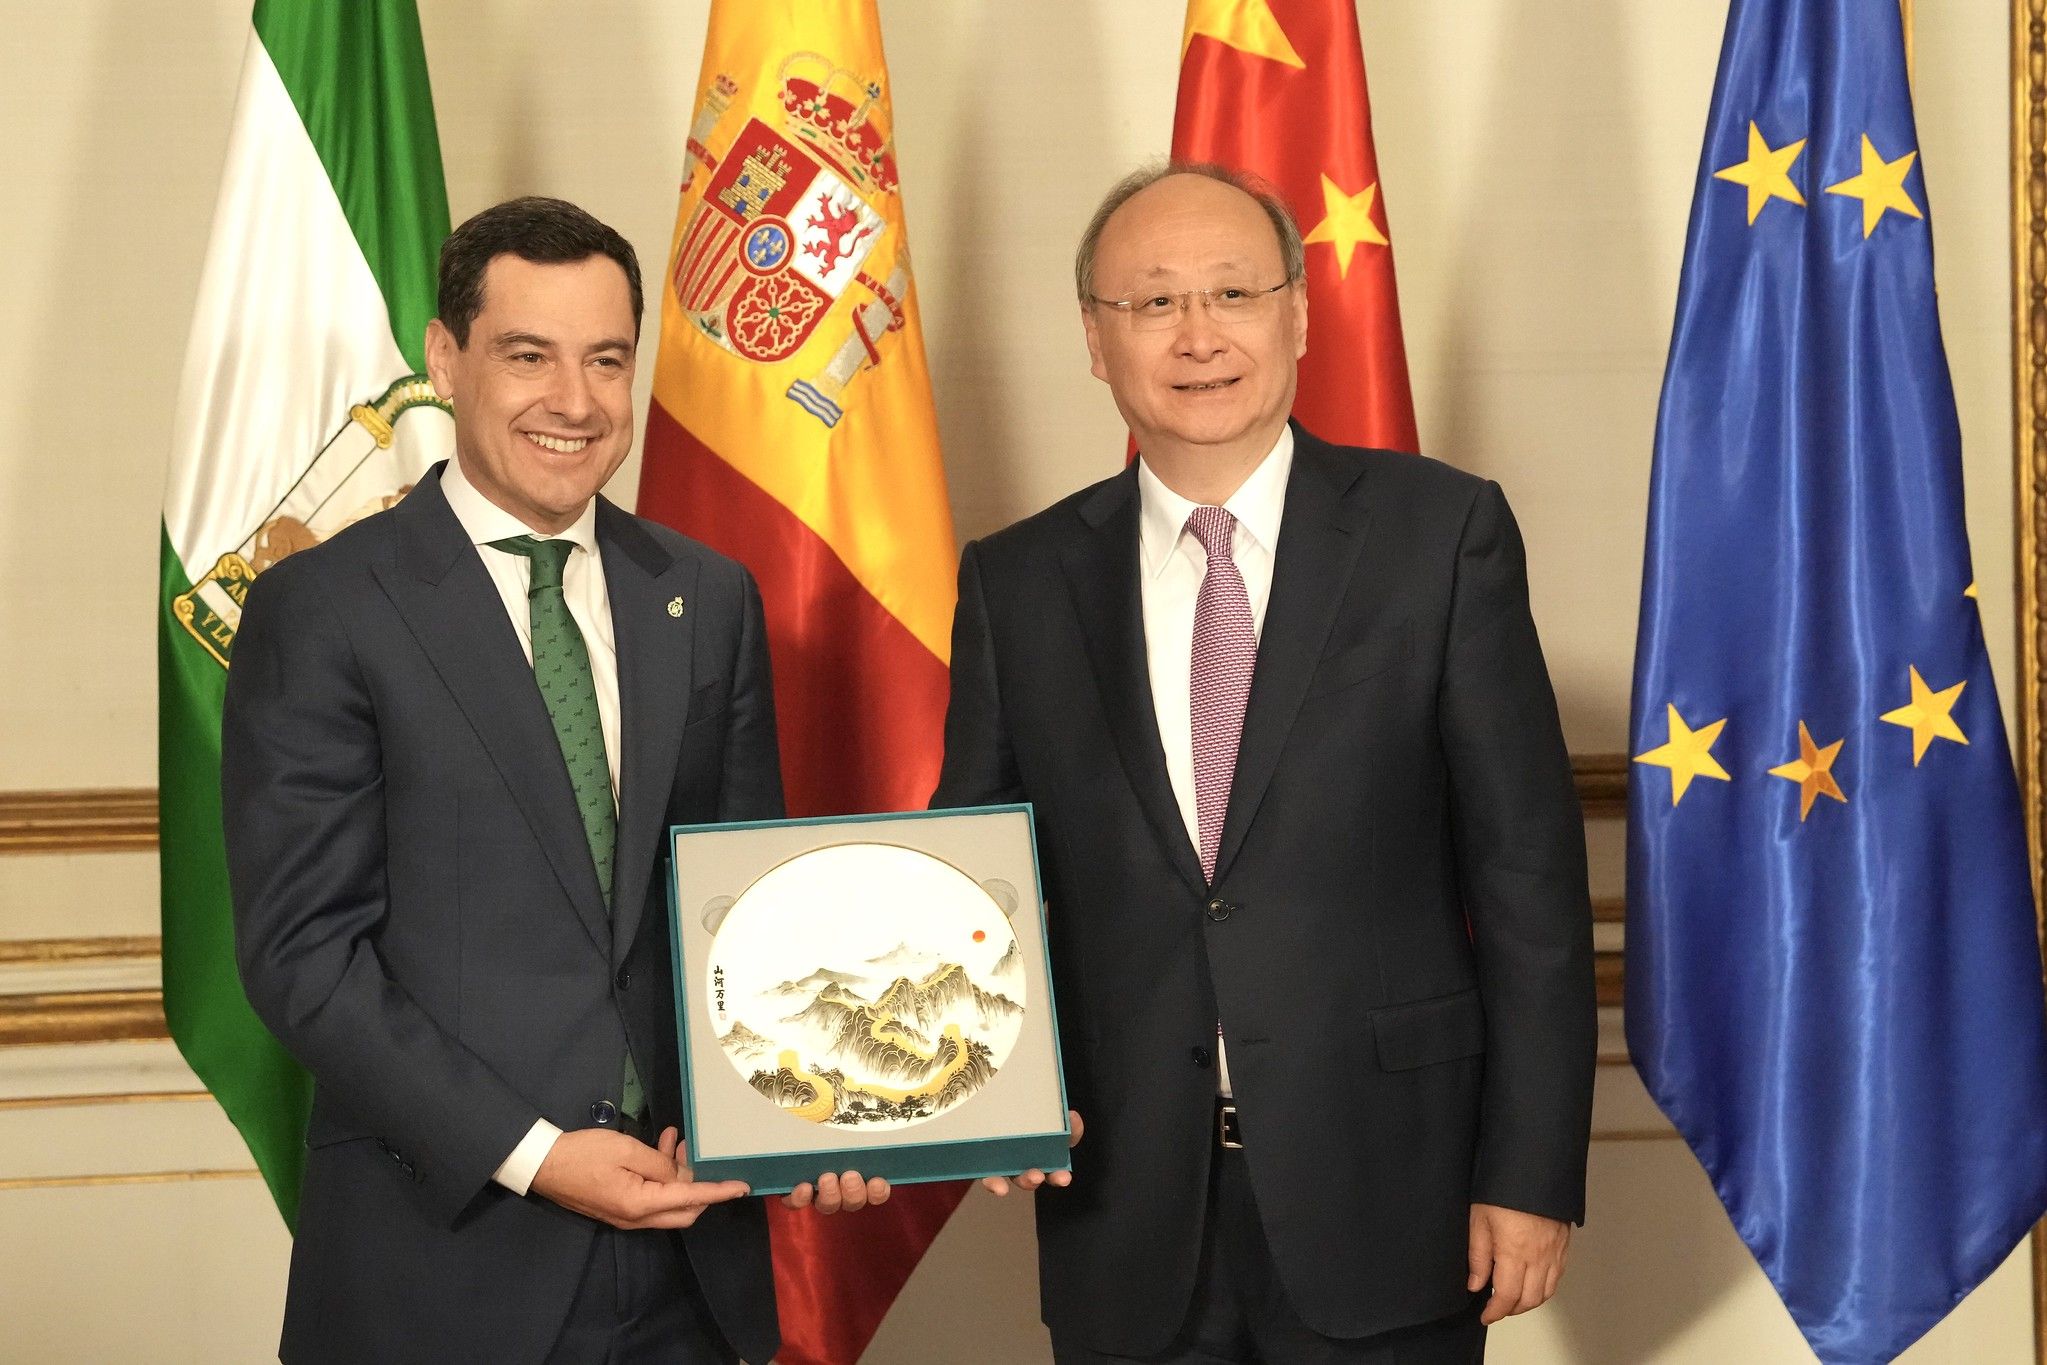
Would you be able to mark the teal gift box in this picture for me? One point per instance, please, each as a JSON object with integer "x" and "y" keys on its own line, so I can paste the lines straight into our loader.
{"x": 867, "y": 993}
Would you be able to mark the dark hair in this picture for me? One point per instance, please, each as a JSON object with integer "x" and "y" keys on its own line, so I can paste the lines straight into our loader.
{"x": 544, "y": 231}
{"x": 1292, "y": 254}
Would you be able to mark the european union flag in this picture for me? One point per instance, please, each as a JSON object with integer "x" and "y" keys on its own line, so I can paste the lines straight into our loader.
{"x": 1833, "y": 984}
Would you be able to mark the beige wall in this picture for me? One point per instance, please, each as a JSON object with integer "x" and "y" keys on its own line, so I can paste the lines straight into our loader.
{"x": 1538, "y": 162}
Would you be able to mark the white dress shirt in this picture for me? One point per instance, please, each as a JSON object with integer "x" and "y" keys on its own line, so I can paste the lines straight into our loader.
{"x": 589, "y": 603}
{"x": 1171, "y": 565}
{"x": 582, "y": 586}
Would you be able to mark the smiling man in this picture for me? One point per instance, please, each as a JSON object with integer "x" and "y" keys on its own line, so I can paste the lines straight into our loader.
{"x": 453, "y": 737}
{"x": 1313, "y": 859}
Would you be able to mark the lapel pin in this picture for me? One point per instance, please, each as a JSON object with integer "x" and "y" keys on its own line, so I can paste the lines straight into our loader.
{"x": 675, "y": 606}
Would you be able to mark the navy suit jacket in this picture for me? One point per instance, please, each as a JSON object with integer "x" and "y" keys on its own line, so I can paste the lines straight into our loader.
{"x": 419, "y": 920}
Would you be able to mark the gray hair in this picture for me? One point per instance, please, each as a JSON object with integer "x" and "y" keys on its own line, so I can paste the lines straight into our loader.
{"x": 1292, "y": 253}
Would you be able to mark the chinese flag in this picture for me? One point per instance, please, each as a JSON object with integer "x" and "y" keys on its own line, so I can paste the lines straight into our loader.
{"x": 1277, "y": 88}
{"x": 791, "y": 427}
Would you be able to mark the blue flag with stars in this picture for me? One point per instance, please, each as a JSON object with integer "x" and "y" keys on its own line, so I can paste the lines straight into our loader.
{"x": 1833, "y": 980}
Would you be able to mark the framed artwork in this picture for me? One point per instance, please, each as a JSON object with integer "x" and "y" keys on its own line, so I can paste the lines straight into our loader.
{"x": 868, "y": 993}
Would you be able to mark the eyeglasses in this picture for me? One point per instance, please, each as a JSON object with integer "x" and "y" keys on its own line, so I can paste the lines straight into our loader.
{"x": 1227, "y": 303}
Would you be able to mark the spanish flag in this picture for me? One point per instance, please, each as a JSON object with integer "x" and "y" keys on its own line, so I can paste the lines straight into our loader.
{"x": 791, "y": 427}
{"x": 1277, "y": 88}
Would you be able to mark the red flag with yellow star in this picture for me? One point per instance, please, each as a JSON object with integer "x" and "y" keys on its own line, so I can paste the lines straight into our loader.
{"x": 791, "y": 427}
{"x": 1277, "y": 88}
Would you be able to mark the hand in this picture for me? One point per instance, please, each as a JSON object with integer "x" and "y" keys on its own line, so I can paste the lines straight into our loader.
{"x": 1522, "y": 1254}
{"x": 1031, "y": 1179}
{"x": 618, "y": 1180}
{"x": 846, "y": 1193}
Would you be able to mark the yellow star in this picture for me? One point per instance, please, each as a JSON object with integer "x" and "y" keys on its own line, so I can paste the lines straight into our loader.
{"x": 1926, "y": 716}
{"x": 1880, "y": 186}
{"x": 1346, "y": 221}
{"x": 1767, "y": 173}
{"x": 1970, "y": 591}
{"x": 1811, "y": 771}
{"x": 1686, "y": 754}
{"x": 1247, "y": 25}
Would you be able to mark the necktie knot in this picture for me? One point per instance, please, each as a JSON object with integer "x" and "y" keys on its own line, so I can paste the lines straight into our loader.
{"x": 1213, "y": 527}
{"x": 548, "y": 557}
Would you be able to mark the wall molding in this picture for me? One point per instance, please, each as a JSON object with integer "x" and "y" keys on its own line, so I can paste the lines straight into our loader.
{"x": 81, "y": 990}
{"x": 58, "y": 1017}
{"x": 15, "y": 1102}
{"x": 82, "y": 820}
{"x": 43, "y": 1019}
{"x": 1602, "y": 781}
{"x": 124, "y": 819}
{"x": 41, "y": 952}
{"x": 1607, "y": 973}
{"x": 66, "y": 1071}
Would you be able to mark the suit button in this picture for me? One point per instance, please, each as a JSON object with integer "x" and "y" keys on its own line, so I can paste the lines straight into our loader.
{"x": 625, "y": 978}
{"x": 1200, "y": 1055}
{"x": 604, "y": 1113}
{"x": 1219, "y": 909}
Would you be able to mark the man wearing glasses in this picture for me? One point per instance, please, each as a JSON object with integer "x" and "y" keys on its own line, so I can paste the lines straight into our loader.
{"x": 1314, "y": 862}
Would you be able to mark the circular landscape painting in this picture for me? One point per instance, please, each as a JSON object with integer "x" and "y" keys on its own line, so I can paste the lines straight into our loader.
{"x": 866, "y": 984}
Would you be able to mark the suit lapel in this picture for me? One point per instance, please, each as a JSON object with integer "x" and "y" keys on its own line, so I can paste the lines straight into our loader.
{"x": 654, "y": 683}
{"x": 440, "y": 588}
{"x": 1319, "y": 538}
{"x": 1101, "y": 570}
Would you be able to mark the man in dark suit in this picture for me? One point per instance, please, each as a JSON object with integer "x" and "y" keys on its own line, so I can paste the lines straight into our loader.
{"x": 1314, "y": 862}
{"x": 454, "y": 736}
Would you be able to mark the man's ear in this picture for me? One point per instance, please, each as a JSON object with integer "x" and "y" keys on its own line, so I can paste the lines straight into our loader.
{"x": 1300, "y": 319}
{"x": 1093, "y": 328}
{"x": 440, "y": 357}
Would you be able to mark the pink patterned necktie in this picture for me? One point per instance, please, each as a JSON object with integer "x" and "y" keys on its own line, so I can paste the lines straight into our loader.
{"x": 1225, "y": 651}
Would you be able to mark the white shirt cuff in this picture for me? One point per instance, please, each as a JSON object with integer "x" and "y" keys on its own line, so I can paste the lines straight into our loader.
{"x": 518, "y": 1170}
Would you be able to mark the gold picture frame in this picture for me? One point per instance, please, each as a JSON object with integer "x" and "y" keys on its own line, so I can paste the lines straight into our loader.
{"x": 2029, "y": 456}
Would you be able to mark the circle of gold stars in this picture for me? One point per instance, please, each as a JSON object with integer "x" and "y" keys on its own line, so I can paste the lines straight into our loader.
{"x": 1766, "y": 174}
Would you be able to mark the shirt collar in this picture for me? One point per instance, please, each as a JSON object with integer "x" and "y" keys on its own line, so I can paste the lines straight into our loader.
{"x": 483, "y": 521}
{"x": 1257, "y": 505}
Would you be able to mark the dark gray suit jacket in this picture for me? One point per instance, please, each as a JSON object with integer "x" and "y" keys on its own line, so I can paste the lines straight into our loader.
{"x": 1398, "y": 939}
{"x": 418, "y": 918}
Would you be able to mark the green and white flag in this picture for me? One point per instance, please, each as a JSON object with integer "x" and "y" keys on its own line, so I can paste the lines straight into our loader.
{"x": 303, "y": 407}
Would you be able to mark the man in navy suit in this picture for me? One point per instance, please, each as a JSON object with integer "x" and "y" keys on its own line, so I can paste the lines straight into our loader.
{"x": 453, "y": 737}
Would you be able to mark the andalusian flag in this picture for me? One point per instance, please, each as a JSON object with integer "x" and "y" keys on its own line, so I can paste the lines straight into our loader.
{"x": 1277, "y": 88}
{"x": 792, "y": 428}
{"x": 303, "y": 407}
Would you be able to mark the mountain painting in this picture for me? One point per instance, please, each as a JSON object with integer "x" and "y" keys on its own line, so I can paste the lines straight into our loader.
{"x": 866, "y": 984}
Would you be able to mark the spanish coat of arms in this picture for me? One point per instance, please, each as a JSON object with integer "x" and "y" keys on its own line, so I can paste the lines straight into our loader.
{"x": 788, "y": 224}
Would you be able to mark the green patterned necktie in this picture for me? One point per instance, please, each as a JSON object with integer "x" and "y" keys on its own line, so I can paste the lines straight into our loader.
{"x": 561, "y": 666}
